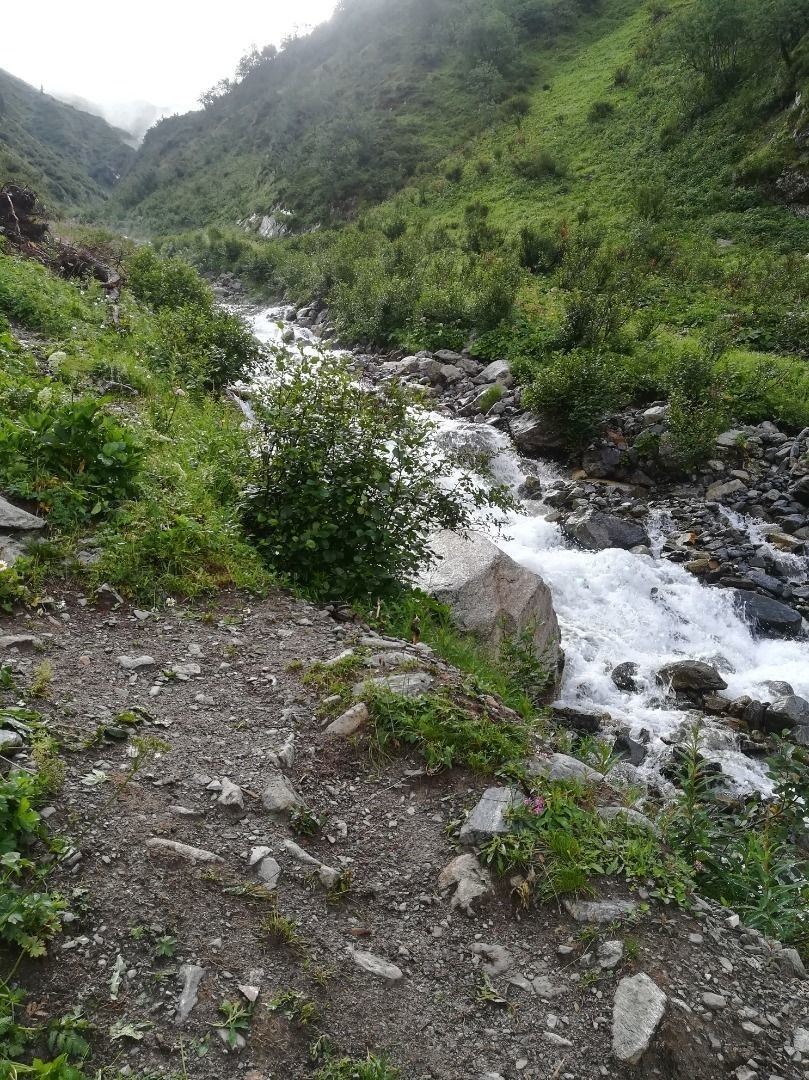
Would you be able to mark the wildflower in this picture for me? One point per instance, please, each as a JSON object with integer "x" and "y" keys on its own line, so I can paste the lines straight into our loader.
{"x": 170, "y": 601}
{"x": 3, "y": 565}
{"x": 536, "y": 804}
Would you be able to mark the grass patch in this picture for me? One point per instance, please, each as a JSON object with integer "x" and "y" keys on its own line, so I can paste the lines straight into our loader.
{"x": 447, "y": 731}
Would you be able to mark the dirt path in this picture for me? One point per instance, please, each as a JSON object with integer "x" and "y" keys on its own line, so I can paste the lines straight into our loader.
{"x": 235, "y": 699}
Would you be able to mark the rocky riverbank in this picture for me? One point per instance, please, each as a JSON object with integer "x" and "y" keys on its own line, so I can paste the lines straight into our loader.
{"x": 738, "y": 524}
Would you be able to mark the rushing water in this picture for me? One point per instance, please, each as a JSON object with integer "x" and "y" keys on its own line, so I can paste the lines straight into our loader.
{"x": 614, "y": 606}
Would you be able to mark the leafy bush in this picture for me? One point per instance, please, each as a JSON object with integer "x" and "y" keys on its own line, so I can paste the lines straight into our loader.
{"x": 165, "y": 282}
{"x": 558, "y": 843}
{"x": 712, "y": 38}
{"x": 204, "y": 348}
{"x": 541, "y": 165}
{"x": 70, "y": 456}
{"x": 445, "y": 732}
{"x": 650, "y": 199}
{"x": 27, "y": 918}
{"x": 698, "y": 412}
{"x": 577, "y": 388}
{"x": 345, "y": 488}
{"x": 600, "y": 110}
{"x": 539, "y": 251}
{"x": 747, "y": 858}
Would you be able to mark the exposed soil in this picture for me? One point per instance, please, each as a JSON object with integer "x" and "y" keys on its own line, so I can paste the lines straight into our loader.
{"x": 387, "y": 824}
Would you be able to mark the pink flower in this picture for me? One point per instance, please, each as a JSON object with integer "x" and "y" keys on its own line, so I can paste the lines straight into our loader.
{"x": 536, "y": 804}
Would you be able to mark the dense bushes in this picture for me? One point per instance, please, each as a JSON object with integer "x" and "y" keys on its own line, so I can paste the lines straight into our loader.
{"x": 193, "y": 341}
{"x": 578, "y": 388}
{"x": 202, "y": 347}
{"x": 165, "y": 282}
{"x": 69, "y": 456}
{"x": 346, "y": 487}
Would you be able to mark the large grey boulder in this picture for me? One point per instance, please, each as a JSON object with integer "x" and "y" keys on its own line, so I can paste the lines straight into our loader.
{"x": 492, "y": 596}
{"x": 636, "y": 1014}
{"x": 767, "y": 616}
{"x": 497, "y": 371}
{"x": 787, "y": 712}
{"x": 13, "y": 519}
{"x": 597, "y": 531}
{"x": 535, "y": 434}
{"x": 691, "y": 675}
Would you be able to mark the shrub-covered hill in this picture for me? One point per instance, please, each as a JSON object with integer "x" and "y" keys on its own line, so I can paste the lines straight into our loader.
{"x": 341, "y": 118}
{"x": 642, "y": 209}
{"x": 72, "y": 158}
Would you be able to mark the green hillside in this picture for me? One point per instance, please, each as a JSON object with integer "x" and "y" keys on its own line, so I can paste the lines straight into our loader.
{"x": 345, "y": 116}
{"x": 70, "y": 157}
{"x": 645, "y": 208}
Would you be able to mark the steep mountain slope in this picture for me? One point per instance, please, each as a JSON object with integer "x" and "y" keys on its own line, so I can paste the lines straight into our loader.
{"x": 69, "y": 156}
{"x": 343, "y": 117}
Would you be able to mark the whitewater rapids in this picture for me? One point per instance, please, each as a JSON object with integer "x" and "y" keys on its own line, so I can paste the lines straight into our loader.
{"x": 614, "y": 606}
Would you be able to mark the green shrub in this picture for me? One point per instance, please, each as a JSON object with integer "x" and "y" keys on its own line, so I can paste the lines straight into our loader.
{"x": 70, "y": 456}
{"x": 165, "y": 282}
{"x": 600, "y": 110}
{"x": 578, "y": 388}
{"x": 650, "y": 200}
{"x": 490, "y": 397}
{"x": 345, "y": 491}
{"x": 746, "y": 858}
{"x": 27, "y": 918}
{"x": 698, "y": 410}
{"x": 539, "y": 166}
{"x": 713, "y": 37}
{"x": 446, "y": 732}
{"x": 204, "y": 348}
{"x": 539, "y": 251}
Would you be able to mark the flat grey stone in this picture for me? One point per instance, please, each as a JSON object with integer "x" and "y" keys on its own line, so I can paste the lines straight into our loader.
{"x": 495, "y": 960}
{"x": 350, "y": 722}
{"x": 636, "y": 1014}
{"x": 184, "y": 851}
{"x": 299, "y": 855}
{"x": 610, "y": 954}
{"x": 10, "y": 741}
{"x": 470, "y": 879}
{"x": 230, "y": 794}
{"x": 714, "y": 1002}
{"x": 23, "y": 642}
{"x": 791, "y": 963}
{"x": 600, "y": 911}
{"x": 14, "y": 519}
{"x": 133, "y": 663}
{"x": 375, "y": 965}
{"x": 563, "y": 767}
{"x": 412, "y": 684}
{"x": 279, "y": 794}
{"x": 724, "y": 489}
{"x": 192, "y": 975}
{"x": 635, "y": 817}
{"x": 268, "y": 871}
{"x": 489, "y": 817}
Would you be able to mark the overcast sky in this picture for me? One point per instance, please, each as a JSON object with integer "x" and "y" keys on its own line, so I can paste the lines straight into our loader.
{"x": 165, "y": 52}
